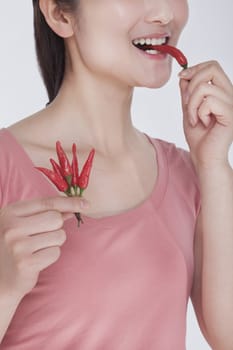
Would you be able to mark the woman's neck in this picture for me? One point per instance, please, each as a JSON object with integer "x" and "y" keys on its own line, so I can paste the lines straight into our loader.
{"x": 96, "y": 114}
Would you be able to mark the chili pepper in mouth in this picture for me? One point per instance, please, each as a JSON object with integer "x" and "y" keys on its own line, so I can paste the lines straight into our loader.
{"x": 173, "y": 51}
{"x": 66, "y": 177}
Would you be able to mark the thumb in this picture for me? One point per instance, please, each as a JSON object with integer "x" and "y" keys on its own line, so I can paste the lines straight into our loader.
{"x": 183, "y": 92}
{"x": 67, "y": 216}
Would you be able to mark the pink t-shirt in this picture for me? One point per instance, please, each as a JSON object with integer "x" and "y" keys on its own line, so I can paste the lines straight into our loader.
{"x": 122, "y": 282}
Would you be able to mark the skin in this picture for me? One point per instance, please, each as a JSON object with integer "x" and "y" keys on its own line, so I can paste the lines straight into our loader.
{"x": 99, "y": 75}
{"x": 207, "y": 101}
{"x": 104, "y": 66}
{"x": 107, "y": 73}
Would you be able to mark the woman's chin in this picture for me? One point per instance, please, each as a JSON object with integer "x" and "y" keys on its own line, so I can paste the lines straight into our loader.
{"x": 156, "y": 85}
{"x": 153, "y": 83}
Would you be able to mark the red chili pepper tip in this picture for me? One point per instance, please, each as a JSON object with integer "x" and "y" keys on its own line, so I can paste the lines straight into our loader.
{"x": 63, "y": 160}
{"x": 59, "y": 182}
{"x": 74, "y": 166}
{"x": 57, "y": 169}
{"x": 174, "y": 52}
{"x": 85, "y": 173}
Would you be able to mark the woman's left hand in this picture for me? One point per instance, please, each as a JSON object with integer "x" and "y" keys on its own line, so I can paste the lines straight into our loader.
{"x": 207, "y": 102}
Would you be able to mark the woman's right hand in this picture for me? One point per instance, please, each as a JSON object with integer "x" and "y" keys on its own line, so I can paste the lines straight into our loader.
{"x": 31, "y": 236}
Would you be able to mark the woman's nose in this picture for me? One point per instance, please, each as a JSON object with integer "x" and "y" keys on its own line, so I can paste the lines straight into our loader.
{"x": 158, "y": 11}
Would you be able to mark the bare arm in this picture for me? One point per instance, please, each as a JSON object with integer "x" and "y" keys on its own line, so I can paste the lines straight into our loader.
{"x": 207, "y": 103}
{"x": 212, "y": 294}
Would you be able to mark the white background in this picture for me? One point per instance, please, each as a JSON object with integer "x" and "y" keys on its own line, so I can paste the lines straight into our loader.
{"x": 208, "y": 35}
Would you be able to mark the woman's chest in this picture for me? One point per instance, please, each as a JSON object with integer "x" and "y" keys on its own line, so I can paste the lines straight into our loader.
{"x": 107, "y": 273}
{"x": 114, "y": 186}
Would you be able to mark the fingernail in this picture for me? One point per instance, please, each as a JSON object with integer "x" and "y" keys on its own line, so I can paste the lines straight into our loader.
{"x": 184, "y": 73}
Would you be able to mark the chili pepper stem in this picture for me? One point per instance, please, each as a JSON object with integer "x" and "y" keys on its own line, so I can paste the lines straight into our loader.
{"x": 79, "y": 218}
{"x": 76, "y": 190}
{"x": 78, "y": 215}
{"x": 68, "y": 179}
{"x": 68, "y": 193}
{"x": 72, "y": 191}
{"x": 81, "y": 191}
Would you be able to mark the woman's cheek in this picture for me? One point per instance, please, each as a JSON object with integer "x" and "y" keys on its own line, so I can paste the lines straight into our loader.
{"x": 182, "y": 13}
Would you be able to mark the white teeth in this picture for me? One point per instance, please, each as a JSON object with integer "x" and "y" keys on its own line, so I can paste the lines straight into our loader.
{"x": 147, "y": 41}
{"x": 152, "y": 52}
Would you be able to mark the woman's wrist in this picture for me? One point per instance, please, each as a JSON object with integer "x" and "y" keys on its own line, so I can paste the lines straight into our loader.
{"x": 8, "y": 306}
{"x": 215, "y": 178}
{"x": 213, "y": 168}
{"x": 9, "y": 297}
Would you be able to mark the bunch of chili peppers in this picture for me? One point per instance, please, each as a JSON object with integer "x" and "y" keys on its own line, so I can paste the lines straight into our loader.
{"x": 65, "y": 176}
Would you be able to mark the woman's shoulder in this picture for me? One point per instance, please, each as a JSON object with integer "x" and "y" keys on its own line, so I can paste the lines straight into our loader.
{"x": 178, "y": 159}
{"x": 13, "y": 142}
{"x": 5, "y": 144}
{"x": 29, "y": 136}
{"x": 10, "y": 158}
{"x": 18, "y": 131}
{"x": 10, "y": 139}
{"x": 174, "y": 152}
{"x": 183, "y": 177}
{"x": 30, "y": 128}
{"x": 9, "y": 151}
{"x": 17, "y": 163}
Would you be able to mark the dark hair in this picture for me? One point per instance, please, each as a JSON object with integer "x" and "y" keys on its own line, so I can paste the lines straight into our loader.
{"x": 50, "y": 48}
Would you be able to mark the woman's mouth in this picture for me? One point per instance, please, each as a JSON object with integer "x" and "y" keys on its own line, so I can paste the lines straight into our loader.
{"x": 146, "y": 44}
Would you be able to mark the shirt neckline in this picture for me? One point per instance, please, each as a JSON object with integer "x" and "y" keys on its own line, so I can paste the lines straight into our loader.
{"x": 153, "y": 201}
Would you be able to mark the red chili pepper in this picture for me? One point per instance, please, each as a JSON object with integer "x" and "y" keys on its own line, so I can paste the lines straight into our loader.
{"x": 84, "y": 179}
{"x": 74, "y": 166}
{"x": 56, "y": 168}
{"x": 63, "y": 160}
{"x": 85, "y": 173}
{"x": 59, "y": 182}
{"x": 173, "y": 51}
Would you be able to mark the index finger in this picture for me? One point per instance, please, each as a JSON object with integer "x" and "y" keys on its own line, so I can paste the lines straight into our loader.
{"x": 58, "y": 203}
{"x": 209, "y": 71}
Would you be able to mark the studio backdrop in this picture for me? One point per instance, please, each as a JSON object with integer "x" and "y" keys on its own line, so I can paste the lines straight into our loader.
{"x": 207, "y": 36}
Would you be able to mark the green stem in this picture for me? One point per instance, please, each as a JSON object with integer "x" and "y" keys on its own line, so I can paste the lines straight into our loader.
{"x": 69, "y": 179}
{"x": 81, "y": 191}
{"x": 76, "y": 190}
{"x": 78, "y": 215}
{"x": 68, "y": 193}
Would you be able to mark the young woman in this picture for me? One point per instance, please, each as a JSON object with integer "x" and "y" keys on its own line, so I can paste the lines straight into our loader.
{"x": 158, "y": 226}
